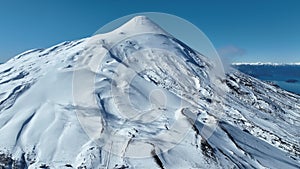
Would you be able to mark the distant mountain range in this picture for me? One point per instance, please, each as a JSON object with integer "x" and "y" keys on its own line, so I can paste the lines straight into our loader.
{"x": 268, "y": 63}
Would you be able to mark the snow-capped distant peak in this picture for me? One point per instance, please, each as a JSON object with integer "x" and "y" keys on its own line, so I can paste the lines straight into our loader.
{"x": 267, "y": 64}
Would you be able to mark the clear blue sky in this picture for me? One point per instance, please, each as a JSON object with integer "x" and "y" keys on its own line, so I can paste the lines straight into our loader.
{"x": 250, "y": 31}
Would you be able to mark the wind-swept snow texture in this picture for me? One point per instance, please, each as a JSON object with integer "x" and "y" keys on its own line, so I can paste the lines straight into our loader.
{"x": 139, "y": 98}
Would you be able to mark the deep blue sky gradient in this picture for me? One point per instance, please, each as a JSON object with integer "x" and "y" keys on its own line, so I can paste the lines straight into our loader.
{"x": 249, "y": 31}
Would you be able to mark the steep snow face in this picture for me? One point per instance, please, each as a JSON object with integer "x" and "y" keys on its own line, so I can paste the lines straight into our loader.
{"x": 139, "y": 98}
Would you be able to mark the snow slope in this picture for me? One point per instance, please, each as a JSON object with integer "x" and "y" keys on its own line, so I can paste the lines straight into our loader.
{"x": 139, "y": 98}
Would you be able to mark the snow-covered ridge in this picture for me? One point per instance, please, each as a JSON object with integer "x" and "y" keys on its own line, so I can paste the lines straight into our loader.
{"x": 139, "y": 98}
{"x": 267, "y": 64}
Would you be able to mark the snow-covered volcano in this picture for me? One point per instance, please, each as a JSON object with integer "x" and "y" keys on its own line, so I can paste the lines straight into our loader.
{"x": 139, "y": 98}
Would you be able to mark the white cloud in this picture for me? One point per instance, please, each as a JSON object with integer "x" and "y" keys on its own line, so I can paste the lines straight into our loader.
{"x": 228, "y": 53}
{"x": 231, "y": 51}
